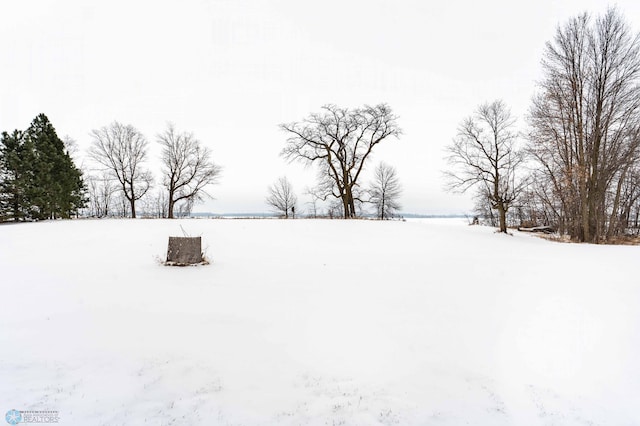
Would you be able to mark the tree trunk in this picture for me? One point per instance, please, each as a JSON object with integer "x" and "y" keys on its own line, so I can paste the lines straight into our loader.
{"x": 585, "y": 235}
{"x": 171, "y": 202}
{"x": 503, "y": 217}
{"x": 170, "y": 209}
{"x": 345, "y": 204}
{"x": 349, "y": 211}
{"x": 352, "y": 205}
{"x": 613, "y": 218}
{"x": 132, "y": 201}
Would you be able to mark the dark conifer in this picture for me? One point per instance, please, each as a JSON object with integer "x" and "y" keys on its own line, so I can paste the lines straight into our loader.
{"x": 39, "y": 178}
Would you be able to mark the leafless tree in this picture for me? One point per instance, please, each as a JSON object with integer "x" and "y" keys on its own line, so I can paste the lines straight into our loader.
{"x": 186, "y": 207}
{"x": 101, "y": 190}
{"x": 484, "y": 155}
{"x": 316, "y": 195}
{"x": 385, "y": 190}
{"x": 340, "y": 141}
{"x": 71, "y": 146}
{"x": 585, "y": 121}
{"x": 335, "y": 209}
{"x": 626, "y": 218}
{"x": 539, "y": 204}
{"x": 121, "y": 205}
{"x": 154, "y": 204}
{"x": 282, "y": 197}
{"x": 187, "y": 168}
{"x": 122, "y": 150}
{"x": 160, "y": 204}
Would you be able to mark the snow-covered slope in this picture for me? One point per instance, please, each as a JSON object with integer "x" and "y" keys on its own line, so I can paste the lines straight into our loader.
{"x": 319, "y": 322}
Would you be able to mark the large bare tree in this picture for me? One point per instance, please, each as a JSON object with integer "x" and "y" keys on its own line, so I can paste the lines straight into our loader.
{"x": 340, "y": 141}
{"x": 122, "y": 150}
{"x": 385, "y": 190}
{"x": 484, "y": 155}
{"x": 585, "y": 122}
{"x": 187, "y": 168}
{"x": 282, "y": 197}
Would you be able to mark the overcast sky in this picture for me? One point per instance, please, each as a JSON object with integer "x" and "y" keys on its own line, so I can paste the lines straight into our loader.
{"x": 231, "y": 70}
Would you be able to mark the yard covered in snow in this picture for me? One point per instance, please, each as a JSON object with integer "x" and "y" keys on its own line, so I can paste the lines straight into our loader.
{"x": 320, "y": 322}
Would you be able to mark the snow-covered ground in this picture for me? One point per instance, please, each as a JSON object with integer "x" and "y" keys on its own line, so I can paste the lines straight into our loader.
{"x": 319, "y": 322}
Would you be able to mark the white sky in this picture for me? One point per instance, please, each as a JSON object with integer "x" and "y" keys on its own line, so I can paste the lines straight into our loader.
{"x": 231, "y": 70}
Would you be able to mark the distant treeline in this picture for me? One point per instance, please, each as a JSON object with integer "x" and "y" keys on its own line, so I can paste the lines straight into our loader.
{"x": 574, "y": 169}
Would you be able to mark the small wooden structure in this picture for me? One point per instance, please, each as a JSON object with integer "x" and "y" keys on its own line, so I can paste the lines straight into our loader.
{"x": 183, "y": 251}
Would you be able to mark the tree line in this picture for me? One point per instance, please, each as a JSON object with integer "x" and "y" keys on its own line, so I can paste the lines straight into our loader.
{"x": 39, "y": 180}
{"x": 121, "y": 150}
{"x": 380, "y": 197}
{"x": 576, "y": 168}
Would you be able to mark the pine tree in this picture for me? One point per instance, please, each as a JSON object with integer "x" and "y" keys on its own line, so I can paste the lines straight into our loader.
{"x": 38, "y": 177}
{"x": 58, "y": 187}
{"x": 14, "y": 176}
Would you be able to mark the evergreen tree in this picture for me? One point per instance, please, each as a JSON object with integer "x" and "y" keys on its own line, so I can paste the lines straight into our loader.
{"x": 58, "y": 187}
{"x": 14, "y": 176}
{"x": 39, "y": 178}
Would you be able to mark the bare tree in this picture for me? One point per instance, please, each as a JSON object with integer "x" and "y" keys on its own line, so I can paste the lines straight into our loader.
{"x": 540, "y": 205}
{"x": 101, "y": 190}
{"x": 160, "y": 204}
{"x": 385, "y": 190}
{"x": 122, "y": 206}
{"x": 340, "y": 141}
{"x": 585, "y": 121}
{"x": 186, "y": 207}
{"x": 154, "y": 204}
{"x": 483, "y": 207}
{"x": 122, "y": 150}
{"x": 187, "y": 168}
{"x": 71, "y": 146}
{"x": 316, "y": 196}
{"x": 335, "y": 209}
{"x": 484, "y": 154}
{"x": 281, "y": 197}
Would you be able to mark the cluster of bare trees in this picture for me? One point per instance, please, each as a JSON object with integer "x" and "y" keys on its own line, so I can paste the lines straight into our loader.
{"x": 575, "y": 169}
{"x": 382, "y": 195}
{"x": 585, "y": 128}
{"x": 121, "y": 152}
{"x": 583, "y": 144}
{"x": 340, "y": 141}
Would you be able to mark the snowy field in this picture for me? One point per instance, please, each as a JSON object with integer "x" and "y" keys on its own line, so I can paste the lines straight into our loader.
{"x": 317, "y": 322}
